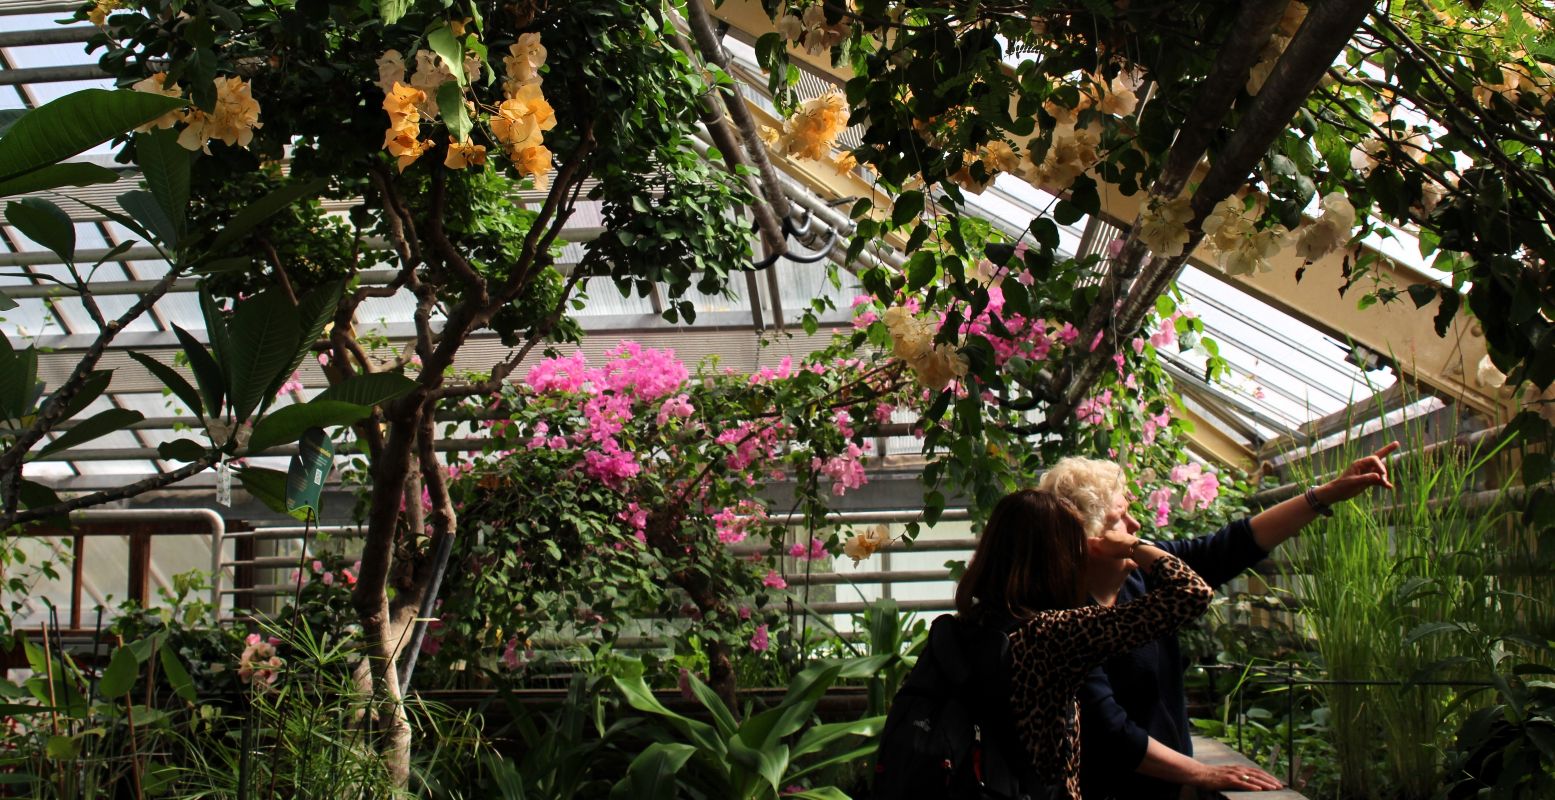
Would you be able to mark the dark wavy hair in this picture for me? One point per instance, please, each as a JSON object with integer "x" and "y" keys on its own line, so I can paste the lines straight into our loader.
{"x": 1029, "y": 559}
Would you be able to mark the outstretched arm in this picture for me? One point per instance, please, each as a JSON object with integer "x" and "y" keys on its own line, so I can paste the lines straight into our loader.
{"x": 1280, "y": 522}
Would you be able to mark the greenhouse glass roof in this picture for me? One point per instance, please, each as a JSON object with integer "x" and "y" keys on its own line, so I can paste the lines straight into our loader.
{"x": 1298, "y": 356}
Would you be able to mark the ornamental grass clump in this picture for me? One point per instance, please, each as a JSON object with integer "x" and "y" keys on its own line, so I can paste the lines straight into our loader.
{"x": 1378, "y": 580}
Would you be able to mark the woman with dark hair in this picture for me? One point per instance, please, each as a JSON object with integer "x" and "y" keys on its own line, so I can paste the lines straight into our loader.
{"x": 1025, "y": 579}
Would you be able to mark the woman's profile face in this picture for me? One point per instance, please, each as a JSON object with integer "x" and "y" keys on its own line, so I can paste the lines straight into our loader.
{"x": 1118, "y": 518}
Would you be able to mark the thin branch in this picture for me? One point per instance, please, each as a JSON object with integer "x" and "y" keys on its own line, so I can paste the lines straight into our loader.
{"x": 280, "y": 271}
{"x": 156, "y": 481}
{"x": 53, "y": 407}
{"x": 447, "y": 253}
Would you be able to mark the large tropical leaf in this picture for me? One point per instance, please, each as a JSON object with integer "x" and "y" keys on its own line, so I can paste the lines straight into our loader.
{"x": 315, "y": 310}
{"x": 207, "y": 372}
{"x": 264, "y": 334}
{"x": 119, "y": 677}
{"x": 74, "y": 123}
{"x": 370, "y": 389}
{"x": 173, "y": 381}
{"x": 93, "y": 427}
{"x": 651, "y": 775}
{"x": 165, "y": 164}
{"x": 77, "y": 173}
{"x": 286, "y": 424}
{"x": 261, "y": 210}
{"x": 268, "y": 486}
{"x": 147, "y": 210}
{"x": 18, "y": 376}
{"x": 45, "y": 223}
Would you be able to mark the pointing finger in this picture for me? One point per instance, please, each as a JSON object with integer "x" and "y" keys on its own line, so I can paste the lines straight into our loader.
{"x": 1386, "y": 450}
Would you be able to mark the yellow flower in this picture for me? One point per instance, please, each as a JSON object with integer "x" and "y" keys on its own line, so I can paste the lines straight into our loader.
{"x": 520, "y": 120}
{"x": 999, "y": 157}
{"x": 100, "y": 10}
{"x": 456, "y": 26}
{"x": 402, "y": 103}
{"x": 523, "y": 62}
{"x": 534, "y": 161}
{"x": 234, "y": 120}
{"x": 464, "y": 154}
{"x": 864, "y": 544}
{"x": 813, "y": 130}
{"x": 1071, "y": 152}
{"x": 1327, "y": 233}
{"x": 403, "y": 144}
{"x": 912, "y": 338}
{"x": 845, "y": 162}
{"x": 157, "y": 84}
{"x": 1118, "y": 99}
{"x": 1227, "y": 224}
{"x": 1254, "y": 252}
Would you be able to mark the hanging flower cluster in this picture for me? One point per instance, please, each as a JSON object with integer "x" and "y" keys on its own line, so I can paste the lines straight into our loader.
{"x": 1327, "y": 233}
{"x": 1164, "y": 226}
{"x": 810, "y": 30}
{"x": 233, "y": 121}
{"x": 259, "y": 664}
{"x": 996, "y": 157}
{"x": 1240, "y": 246}
{"x": 518, "y": 123}
{"x": 1070, "y": 153}
{"x": 812, "y": 131}
{"x": 912, "y": 340}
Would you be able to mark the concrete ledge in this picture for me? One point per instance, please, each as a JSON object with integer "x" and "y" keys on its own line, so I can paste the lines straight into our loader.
{"x": 1213, "y": 752}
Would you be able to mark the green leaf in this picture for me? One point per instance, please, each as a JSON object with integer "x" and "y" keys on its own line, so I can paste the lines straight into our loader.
{"x": 57, "y": 176}
{"x": 268, "y": 486}
{"x": 173, "y": 381}
{"x": 768, "y": 762}
{"x": 177, "y": 676}
{"x": 907, "y": 208}
{"x": 95, "y": 426}
{"x": 921, "y": 269}
{"x": 62, "y": 748}
{"x": 822, "y": 737}
{"x": 450, "y": 104}
{"x": 308, "y": 470}
{"x": 44, "y": 223}
{"x": 264, "y": 333}
{"x": 206, "y": 372}
{"x": 651, "y": 775}
{"x": 165, "y": 165}
{"x": 284, "y": 425}
{"x": 181, "y": 450}
{"x": 6, "y": 303}
{"x": 722, "y": 719}
{"x": 34, "y": 495}
{"x": 261, "y": 210}
{"x": 447, "y": 47}
{"x": 314, "y": 310}
{"x": 369, "y": 389}
{"x": 390, "y": 11}
{"x": 92, "y": 388}
{"x": 147, "y": 211}
{"x": 18, "y": 377}
{"x": 120, "y": 675}
{"x": 216, "y": 331}
{"x": 75, "y": 123}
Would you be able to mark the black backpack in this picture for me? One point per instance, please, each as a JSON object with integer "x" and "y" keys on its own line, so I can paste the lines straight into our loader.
{"x": 949, "y": 734}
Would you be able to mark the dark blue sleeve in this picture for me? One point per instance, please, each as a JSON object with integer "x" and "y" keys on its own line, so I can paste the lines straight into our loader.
{"x": 1219, "y": 556}
{"x": 1109, "y": 741}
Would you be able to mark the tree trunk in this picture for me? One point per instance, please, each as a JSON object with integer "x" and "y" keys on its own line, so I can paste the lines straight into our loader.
{"x": 664, "y": 537}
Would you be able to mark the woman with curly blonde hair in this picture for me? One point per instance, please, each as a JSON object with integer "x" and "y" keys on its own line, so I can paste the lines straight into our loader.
{"x": 1133, "y": 708}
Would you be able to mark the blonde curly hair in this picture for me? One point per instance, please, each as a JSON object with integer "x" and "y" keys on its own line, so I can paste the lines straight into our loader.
{"x": 1090, "y": 484}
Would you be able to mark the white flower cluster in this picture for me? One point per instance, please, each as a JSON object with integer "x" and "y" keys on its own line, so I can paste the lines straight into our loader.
{"x": 912, "y": 340}
{"x": 810, "y": 30}
{"x": 1241, "y": 248}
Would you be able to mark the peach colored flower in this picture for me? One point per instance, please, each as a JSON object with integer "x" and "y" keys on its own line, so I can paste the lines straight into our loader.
{"x": 157, "y": 84}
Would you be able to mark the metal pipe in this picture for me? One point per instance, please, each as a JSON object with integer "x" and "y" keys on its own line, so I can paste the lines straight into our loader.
{"x": 76, "y": 72}
{"x": 79, "y": 34}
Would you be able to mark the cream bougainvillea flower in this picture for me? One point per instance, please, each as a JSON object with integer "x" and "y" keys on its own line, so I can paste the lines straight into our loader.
{"x": 1071, "y": 152}
{"x": 845, "y": 162}
{"x": 234, "y": 120}
{"x": 521, "y": 120}
{"x": 1253, "y": 253}
{"x": 1118, "y": 98}
{"x": 1164, "y": 227}
{"x": 1325, "y": 234}
{"x": 911, "y": 337}
{"x": 791, "y": 28}
{"x": 1227, "y": 224}
{"x": 431, "y": 73}
{"x": 866, "y": 543}
{"x": 813, "y": 130}
{"x": 464, "y": 154}
{"x": 157, "y": 84}
{"x": 391, "y": 70}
